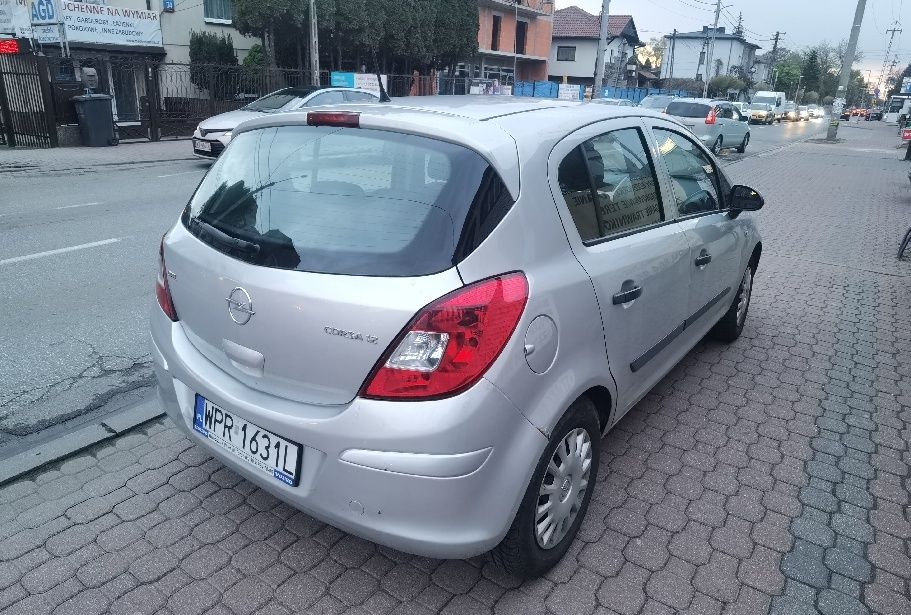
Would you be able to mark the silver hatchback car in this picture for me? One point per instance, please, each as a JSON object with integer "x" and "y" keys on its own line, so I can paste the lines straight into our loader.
{"x": 415, "y": 320}
{"x": 718, "y": 123}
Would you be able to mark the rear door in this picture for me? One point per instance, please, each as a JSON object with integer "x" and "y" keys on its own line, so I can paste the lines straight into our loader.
{"x": 698, "y": 191}
{"x": 604, "y": 182}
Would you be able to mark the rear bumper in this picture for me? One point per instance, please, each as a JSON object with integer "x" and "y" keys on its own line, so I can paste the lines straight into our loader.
{"x": 440, "y": 479}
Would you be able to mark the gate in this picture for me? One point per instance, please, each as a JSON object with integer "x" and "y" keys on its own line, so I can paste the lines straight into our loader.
{"x": 26, "y": 107}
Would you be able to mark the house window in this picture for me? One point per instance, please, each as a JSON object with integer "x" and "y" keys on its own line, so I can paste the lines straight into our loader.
{"x": 521, "y": 36}
{"x": 566, "y": 54}
{"x": 495, "y": 33}
{"x": 217, "y": 9}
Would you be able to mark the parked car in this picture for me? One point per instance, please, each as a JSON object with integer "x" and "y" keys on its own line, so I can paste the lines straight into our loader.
{"x": 350, "y": 315}
{"x": 816, "y": 111}
{"x": 803, "y": 113}
{"x": 620, "y": 102}
{"x": 717, "y": 123}
{"x": 214, "y": 133}
{"x": 657, "y": 102}
{"x": 761, "y": 113}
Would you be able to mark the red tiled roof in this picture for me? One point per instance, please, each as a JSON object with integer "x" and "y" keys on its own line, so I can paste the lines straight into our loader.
{"x": 573, "y": 22}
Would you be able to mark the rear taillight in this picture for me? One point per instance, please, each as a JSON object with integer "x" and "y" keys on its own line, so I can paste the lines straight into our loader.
{"x": 711, "y": 117}
{"x": 451, "y": 343}
{"x": 342, "y": 119}
{"x": 162, "y": 290}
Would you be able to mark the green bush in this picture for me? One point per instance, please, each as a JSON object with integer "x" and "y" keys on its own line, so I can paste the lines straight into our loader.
{"x": 212, "y": 62}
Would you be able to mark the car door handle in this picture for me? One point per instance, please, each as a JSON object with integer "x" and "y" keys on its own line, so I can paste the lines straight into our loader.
{"x": 703, "y": 259}
{"x": 628, "y": 292}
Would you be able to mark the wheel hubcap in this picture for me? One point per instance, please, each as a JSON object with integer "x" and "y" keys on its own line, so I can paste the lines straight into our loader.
{"x": 563, "y": 488}
{"x": 746, "y": 288}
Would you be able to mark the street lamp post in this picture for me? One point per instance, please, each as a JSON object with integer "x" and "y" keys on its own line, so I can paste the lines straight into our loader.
{"x": 797, "y": 91}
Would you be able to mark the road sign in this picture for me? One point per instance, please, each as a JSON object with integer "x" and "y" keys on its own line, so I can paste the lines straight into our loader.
{"x": 43, "y": 12}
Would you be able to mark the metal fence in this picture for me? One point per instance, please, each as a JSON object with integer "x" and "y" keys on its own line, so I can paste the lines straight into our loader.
{"x": 26, "y": 108}
{"x": 156, "y": 100}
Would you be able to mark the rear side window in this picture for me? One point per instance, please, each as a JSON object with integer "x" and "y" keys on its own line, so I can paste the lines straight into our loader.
{"x": 688, "y": 109}
{"x": 609, "y": 185}
{"x": 347, "y": 201}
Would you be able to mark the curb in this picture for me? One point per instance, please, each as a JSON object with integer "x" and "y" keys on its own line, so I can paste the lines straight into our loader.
{"x": 79, "y": 439}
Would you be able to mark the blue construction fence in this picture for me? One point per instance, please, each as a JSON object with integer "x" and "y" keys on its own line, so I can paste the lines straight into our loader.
{"x": 551, "y": 89}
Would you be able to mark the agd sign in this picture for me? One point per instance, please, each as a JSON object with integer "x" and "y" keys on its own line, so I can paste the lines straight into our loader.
{"x": 43, "y": 12}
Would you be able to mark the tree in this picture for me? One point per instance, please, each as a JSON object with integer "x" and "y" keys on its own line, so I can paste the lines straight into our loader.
{"x": 812, "y": 71}
{"x": 208, "y": 53}
{"x": 262, "y": 17}
{"x": 811, "y": 97}
{"x": 653, "y": 51}
{"x": 895, "y": 81}
{"x": 455, "y": 33}
{"x": 720, "y": 86}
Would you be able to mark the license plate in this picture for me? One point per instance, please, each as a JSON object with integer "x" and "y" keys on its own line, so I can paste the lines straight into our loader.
{"x": 278, "y": 457}
{"x": 203, "y": 146}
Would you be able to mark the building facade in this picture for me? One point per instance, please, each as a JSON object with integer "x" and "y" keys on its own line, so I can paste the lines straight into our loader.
{"x": 686, "y": 54}
{"x": 574, "y": 48}
{"x": 213, "y": 16}
{"x": 513, "y": 41}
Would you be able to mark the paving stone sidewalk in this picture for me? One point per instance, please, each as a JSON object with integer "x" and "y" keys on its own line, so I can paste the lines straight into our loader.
{"x": 771, "y": 475}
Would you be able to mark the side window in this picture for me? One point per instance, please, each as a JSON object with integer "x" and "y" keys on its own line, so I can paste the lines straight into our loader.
{"x": 694, "y": 178}
{"x": 609, "y": 185}
{"x": 726, "y": 112}
{"x": 332, "y": 97}
{"x": 360, "y": 97}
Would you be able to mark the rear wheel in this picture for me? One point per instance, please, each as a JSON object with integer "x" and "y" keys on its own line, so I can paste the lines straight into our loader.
{"x": 743, "y": 146}
{"x": 731, "y": 324}
{"x": 716, "y": 146}
{"x": 557, "y": 496}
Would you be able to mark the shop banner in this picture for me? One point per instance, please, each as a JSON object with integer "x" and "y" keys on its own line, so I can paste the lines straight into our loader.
{"x": 362, "y": 81}
{"x": 110, "y": 25}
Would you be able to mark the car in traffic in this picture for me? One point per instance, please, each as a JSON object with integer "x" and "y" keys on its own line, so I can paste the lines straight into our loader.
{"x": 847, "y": 112}
{"x": 875, "y": 114}
{"x": 775, "y": 99}
{"x": 350, "y": 316}
{"x": 716, "y": 122}
{"x": 212, "y": 135}
{"x": 657, "y": 102}
{"x": 743, "y": 107}
{"x": 815, "y": 111}
{"x": 761, "y": 113}
{"x": 620, "y": 102}
{"x": 803, "y": 113}
{"x": 789, "y": 112}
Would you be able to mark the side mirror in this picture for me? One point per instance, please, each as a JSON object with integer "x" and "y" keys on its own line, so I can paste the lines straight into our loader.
{"x": 744, "y": 198}
{"x": 744, "y": 117}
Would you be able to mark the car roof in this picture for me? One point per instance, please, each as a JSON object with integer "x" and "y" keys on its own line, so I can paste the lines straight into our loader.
{"x": 703, "y": 101}
{"x": 493, "y": 126}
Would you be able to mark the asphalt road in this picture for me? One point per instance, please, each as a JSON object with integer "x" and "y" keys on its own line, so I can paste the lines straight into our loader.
{"x": 78, "y": 252}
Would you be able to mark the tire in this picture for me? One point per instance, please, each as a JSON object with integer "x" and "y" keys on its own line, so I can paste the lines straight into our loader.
{"x": 716, "y": 146}
{"x": 743, "y": 146}
{"x": 729, "y": 328}
{"x": 520, "y": 553}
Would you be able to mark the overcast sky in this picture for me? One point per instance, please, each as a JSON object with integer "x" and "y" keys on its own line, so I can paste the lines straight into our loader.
{"x": 806, "y": 22}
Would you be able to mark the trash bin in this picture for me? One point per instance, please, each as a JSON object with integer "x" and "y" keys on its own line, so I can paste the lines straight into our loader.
{"x": 96, "y": 120}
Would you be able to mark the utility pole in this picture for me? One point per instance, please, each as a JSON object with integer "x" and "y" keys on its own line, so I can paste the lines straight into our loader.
{"x": 708, "y": 62}
{"x": 891, "y": 32}
{"x": 602, "y": 49}
{"x": 848, "y": 61}
{"x": 314, "y": 46}
{"x": 673, "y": 50}
{"x": 774, "y": 56}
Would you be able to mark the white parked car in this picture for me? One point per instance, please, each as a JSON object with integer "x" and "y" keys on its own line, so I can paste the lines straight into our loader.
{"x": 214, "y": 133}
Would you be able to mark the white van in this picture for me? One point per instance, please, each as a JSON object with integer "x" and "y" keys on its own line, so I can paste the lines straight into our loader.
{"x": 775, "y": 99}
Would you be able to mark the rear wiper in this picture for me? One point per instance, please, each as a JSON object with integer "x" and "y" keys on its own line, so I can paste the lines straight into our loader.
{"x": 225, "y": 239}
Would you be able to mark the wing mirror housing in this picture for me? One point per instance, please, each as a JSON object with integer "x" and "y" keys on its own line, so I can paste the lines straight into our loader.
{"x": 744, "y": 198}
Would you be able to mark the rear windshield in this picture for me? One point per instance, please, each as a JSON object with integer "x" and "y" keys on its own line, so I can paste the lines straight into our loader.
{"x": 347, "y": 201}
{"x": 688, "y": 109}
{"x": 655, "y": 102}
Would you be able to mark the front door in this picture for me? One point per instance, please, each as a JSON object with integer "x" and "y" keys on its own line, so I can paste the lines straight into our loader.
{"x": 604, "y": 181}
{"x": 717, "y": 247}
